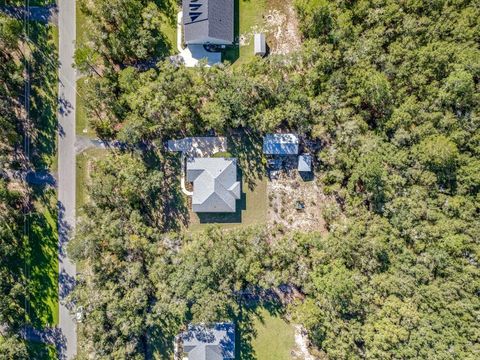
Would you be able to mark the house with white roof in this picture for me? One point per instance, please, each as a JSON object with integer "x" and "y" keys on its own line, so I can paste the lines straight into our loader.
{"x": 215, "y": 185}
{"x": 207, "y": 342}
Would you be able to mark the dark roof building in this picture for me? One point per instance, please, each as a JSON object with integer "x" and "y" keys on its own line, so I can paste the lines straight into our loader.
{"x": 280, "y": 144}
{"x": 201, "y": 342}
{"x": 208, "y": 21}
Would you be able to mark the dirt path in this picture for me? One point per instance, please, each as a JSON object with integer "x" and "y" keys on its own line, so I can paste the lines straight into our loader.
{"x": 301, "y": 341}
{"x": 283, "y": 35}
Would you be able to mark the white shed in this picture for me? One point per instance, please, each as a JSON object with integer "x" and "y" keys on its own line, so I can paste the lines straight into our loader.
{"x": 305, "y": 163}
{"x": 260, "y": 47}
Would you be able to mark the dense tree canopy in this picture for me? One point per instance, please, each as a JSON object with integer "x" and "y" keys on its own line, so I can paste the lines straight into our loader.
{"x": 391, "y": 91}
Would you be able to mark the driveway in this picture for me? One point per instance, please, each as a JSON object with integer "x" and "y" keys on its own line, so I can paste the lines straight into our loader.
{"x": 193, "y": 54}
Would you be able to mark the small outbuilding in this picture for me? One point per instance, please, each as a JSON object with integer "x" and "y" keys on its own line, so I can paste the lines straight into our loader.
{"x": 260, "y": 45}
{"x": 280, "y": 144}
{"x": 305, "y": 163}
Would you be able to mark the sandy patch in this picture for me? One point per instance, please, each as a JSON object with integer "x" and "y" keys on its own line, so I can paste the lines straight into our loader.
{"x": 286, "y": 194}
{"x": 280, "y": 24}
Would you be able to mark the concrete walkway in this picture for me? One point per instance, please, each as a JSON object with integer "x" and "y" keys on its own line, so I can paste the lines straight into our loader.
{"x": 182, "y": 179}
{"x": 66, "y": 173}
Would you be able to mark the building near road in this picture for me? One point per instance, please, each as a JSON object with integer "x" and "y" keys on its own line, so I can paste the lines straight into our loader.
{"x": 202, "y": 342}
{"x": 215, "y": 185}
{"x": 208, "y": 21}
{"x": 280, "y": 144}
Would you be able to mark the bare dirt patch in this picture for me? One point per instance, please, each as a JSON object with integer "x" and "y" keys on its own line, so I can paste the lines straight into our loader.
{"x": 280, "y": 24}
{"x": 281, "y": 21}
{"x": 295, "y": 204}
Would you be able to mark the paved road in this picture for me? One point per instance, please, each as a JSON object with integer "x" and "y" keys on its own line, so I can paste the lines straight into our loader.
{"x": 66, "y": 169}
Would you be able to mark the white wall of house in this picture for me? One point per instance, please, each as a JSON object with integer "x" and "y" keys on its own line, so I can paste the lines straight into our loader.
{"x": 208, "y": 40}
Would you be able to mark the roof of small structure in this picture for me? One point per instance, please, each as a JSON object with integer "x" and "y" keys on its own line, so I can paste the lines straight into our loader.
{"x": 280, "y": 144}
{"x": 215, "y": 185}
{"x": 199, "y": 146}
{"x": 259, "y": 44}
{"x": 305, "y": 162}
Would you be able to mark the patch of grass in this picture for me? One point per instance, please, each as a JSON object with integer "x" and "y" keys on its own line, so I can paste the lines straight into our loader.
{"x": 222, "y": 154}
{"x": 81, "y": 120}
{"x": 275, "y": 338}
{"x": 40, "y": 351}
{"x": 80, "y": 24}
{"x": 169, "y": 30}
{"x": 251, "y": 210}
{"x": 43, "y": 94}
{"x": 83, "y": 162}
{"x": 42, "y": 260}
{"x": 248, "y": 14}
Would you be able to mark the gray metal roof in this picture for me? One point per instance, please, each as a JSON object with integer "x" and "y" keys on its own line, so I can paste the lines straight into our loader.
{"x": 215, "y": 342}
{"x": 305, "y": 163}
{"x": 203, "y": 146}
{"x": 280, "y": 144}
{"x": 215, "y": 185}
{"x": 208, "y": 19}
{"x": 259, "y": 44}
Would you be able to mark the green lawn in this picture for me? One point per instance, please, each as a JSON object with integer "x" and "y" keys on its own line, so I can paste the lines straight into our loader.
{"x": 41, "y": 252}
{"x": 169, "y": 30}
{"x": 251, "y": 210}
{"x": 83, "y": 161}
{"x": 42, "y": 260}
{"x": 249, "y": 14}
{"x": 274, "y": 339}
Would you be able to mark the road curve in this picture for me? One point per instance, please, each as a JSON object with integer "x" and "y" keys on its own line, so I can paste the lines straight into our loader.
{"x": 66, "y": 172}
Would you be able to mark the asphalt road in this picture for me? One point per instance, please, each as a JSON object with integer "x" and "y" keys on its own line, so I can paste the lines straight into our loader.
{"x": 66, "y": 171}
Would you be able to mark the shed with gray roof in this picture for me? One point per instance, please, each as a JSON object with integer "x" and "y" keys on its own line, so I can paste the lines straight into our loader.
{"x": 280, "y": 144}
{"x": 216, "y": 342}
{"x": 305, "y": 163}
{"x": 208, "y": 21}
{"x": 215, "y": 185}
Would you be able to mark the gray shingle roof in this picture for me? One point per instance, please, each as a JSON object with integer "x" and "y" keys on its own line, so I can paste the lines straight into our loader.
{"x": 215, "y": 185}
{"x": 208, "y": 19}
{"x": 280, "y": 144}
{"x": 215, "y": 342}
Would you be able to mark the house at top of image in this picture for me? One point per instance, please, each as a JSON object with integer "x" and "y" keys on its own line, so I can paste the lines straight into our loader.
{"x": 215, "y": 185}
{"x": 203, "y": 342}
{"x": 208, "y": 22}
